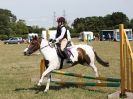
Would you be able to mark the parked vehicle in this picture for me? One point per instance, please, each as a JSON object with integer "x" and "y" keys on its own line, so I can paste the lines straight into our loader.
{"x": 14, "y": 40}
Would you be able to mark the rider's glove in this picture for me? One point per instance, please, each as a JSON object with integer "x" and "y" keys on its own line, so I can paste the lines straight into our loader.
{"x": 50, "y": 40}
{"x": 53, "y": 41}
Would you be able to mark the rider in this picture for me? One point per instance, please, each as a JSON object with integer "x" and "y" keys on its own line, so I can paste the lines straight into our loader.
{"x": 62, "y": 37}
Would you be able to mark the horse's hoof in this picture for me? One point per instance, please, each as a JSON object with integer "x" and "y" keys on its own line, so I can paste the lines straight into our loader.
{"x": 99, "y": 82}
{"x": 45, "y": 91}
{"x": 39, "y": 84}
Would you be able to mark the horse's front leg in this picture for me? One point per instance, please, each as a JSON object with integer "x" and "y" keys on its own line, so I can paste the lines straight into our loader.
{"x": 48, "y": 82}
{"x": 47, "y": 71}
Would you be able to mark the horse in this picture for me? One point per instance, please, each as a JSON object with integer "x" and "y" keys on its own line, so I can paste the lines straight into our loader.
{"x": 80, "y": 54}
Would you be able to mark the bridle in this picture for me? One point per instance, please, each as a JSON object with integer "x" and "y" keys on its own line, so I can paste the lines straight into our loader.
{"x": 36, "y": 46}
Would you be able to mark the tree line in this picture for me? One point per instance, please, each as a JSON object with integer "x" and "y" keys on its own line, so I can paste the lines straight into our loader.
{"x": 11, "y": 26}
{"x": 98, "y": 23}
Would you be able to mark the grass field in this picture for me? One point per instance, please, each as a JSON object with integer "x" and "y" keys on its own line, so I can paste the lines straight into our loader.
{"x": 17, "y": 70}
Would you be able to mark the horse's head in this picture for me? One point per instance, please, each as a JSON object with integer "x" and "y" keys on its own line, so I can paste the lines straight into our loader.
{"x": 33, "y": 46}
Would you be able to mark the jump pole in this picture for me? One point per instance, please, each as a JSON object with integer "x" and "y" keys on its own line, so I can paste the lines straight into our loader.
{"x": 116, "y": 84}
{"x": 85, "y": 76}
{"x": 113, "y": 82}
{"x": 42, "y": 68}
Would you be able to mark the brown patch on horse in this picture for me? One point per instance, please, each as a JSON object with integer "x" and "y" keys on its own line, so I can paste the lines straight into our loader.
{"x": 34, "y": 45}
{"x": 82, "y": 56}
{"x": 46, "y": 63}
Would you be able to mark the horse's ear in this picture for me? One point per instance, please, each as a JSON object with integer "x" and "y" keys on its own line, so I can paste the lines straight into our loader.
{"x": 35, "y": 37}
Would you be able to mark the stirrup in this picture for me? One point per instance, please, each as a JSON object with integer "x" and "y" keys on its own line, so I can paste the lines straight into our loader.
{"x": 69, "y": 61}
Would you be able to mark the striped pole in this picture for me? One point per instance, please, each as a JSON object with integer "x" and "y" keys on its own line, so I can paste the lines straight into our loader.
{"x": 116, "y": 84}
{"x": 85, "y": 76}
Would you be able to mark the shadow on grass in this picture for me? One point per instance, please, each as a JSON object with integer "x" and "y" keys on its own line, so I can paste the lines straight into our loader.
{"x": 58, "y": 87}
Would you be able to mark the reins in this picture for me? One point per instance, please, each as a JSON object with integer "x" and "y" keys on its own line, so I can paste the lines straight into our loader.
{"x": 44, "y": 47}
{"x": 49, "y": 44}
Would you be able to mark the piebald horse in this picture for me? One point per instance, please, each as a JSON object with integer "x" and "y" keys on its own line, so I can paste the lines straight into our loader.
{"x": 81, "y": 54}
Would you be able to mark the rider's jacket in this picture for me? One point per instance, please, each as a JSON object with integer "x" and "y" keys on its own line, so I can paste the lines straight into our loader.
{"x": 61, "y": 33}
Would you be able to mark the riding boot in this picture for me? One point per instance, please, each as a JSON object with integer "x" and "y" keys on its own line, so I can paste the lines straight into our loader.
{"x": 67, "y": 56}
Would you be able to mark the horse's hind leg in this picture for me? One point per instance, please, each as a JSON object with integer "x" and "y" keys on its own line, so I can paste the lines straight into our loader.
{"x": 90, "y": 62}
{"x": 96, "y": 71}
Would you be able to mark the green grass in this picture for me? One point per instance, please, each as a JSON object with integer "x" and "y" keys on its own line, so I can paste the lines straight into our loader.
{"x": 17, "y": 70}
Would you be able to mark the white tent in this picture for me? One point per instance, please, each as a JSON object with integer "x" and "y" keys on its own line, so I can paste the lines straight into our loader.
{"x": 86, "y": 35}
{"x": 117, "y": 34}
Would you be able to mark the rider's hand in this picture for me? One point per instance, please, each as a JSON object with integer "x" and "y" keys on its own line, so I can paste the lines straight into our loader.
{"x": 53, "y": 41}
{"x": 50, "y": 40}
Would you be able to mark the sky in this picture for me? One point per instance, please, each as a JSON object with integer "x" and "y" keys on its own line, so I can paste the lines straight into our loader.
{"x": 44, "y": 12}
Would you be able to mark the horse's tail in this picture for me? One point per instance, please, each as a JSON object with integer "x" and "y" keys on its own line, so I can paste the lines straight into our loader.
{"x": 106, "y": 64}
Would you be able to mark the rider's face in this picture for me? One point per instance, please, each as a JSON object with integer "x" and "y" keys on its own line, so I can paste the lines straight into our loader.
{"x": 59, "y": 23}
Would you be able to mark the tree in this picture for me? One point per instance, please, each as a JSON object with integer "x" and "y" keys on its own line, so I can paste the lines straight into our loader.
{"x": 78, "y": 24}
{"x": 35, "y": 29}
{"x": 131, "y": 23}
{"x": 108, "y": 21}
{"x": 119, "y": 18}
{"x": 53, "y": 28}
{"x": 21, "y": 27}
{"x": 10, "y": 27}
{"x": 95, "y": 24}
{"x": 6, "y": 17}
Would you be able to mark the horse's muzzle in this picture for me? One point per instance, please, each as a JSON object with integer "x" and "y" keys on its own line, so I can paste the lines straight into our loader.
{"x": 27, "y": 53}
